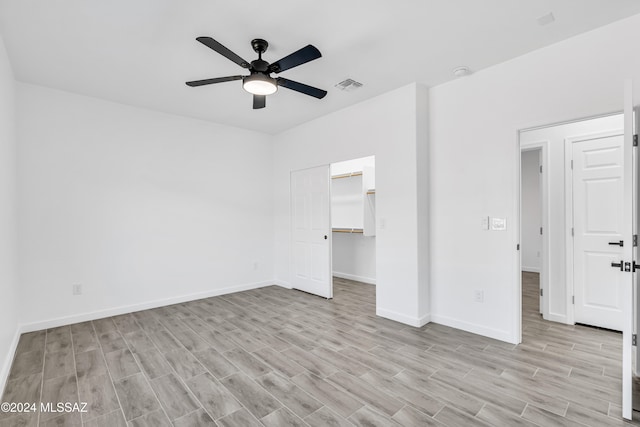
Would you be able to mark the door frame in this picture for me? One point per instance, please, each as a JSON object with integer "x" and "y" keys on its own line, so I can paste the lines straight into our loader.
{"x": 568, "y": 212}
{"x": 543, "y": 147}
{"x": 517, "y": 272}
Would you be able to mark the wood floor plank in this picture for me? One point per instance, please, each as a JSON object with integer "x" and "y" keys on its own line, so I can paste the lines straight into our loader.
{"x": 310, "y": 362}
{"x": 278, "y": 362}
{"x": 111, "y": 419}
{"x": 121, "y": 363}
{"x": 425, "y": 403}
{"x": 365, "y": 417}
{"x": 259, "y": 402}
{"x": 247, "y": 363}
{"x": 496, "y": 416}
{"x": 453, "y": 417}
{"x": 336, "y": 399}
{"x": 152, "y": 419}
{"x": 59, "y": 364}
{"x": 136, "y": 396}
{"x": 198, "y": 418}
{"x": 153, "y": 363}
{"x": 184, "y": 363}
{"x": 216, "y": 363}
{"x": 213, "y": 396}
{"x": 409, "y": 416}
{"x": 289, "y": 394}
{"x": 175, "y": 398}
{"x": 58, "y": 390}
{"x": 99, "y": 394}
{"x": 138, "y": 341}
{"x": 282, "y": 417}
{"x": 326, "y": 417}
{"x": 373, "y": 397}
{"x": 241, "y": 417}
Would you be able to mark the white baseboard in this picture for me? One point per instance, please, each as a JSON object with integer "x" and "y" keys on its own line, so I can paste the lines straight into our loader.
{"x": 283, "y": 284}
{"x": 403, "y": 318}
{"x": 8, "y": 360}
{"x": 557, "y": 318}
{"x": 530, "y": 269}
{"x": 115, "y": 311}
{"x": 354, "y": 277}
{"x": 473, "y": 328}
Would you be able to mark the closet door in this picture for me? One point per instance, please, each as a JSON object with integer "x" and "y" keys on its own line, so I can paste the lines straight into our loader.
{"x": 311, "y": 231}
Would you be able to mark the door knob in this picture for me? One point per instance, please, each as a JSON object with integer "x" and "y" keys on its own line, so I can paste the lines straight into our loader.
{"x": 620, "y": 243}
{"x": 619, "y": 265}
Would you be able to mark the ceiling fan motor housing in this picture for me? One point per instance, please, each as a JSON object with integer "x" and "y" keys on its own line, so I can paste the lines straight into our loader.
{"x": 260, "y": 46}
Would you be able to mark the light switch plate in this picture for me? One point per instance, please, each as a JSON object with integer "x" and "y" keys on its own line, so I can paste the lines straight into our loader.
{"x": 484, "y": 223}
{"x": 498, "y": 224}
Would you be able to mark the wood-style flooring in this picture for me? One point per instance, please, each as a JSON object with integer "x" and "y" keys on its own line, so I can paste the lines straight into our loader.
{"x": 278, "y": 357}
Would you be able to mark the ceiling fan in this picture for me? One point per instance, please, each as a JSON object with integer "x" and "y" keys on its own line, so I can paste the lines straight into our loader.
{"x": 259, "y": 82}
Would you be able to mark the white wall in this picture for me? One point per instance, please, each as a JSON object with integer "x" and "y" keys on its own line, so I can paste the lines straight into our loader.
{"x": 531, "y": 216}
{"x": 474, "y": 152}
{"x": 8, "y": 238}
{"x": 354, "y": 257}
{"x": 392, "y": 128}
{"x": 140, "y": 208}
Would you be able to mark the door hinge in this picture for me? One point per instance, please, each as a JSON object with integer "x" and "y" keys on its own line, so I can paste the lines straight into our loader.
{"x": 518, "y": 247}
{"x": 634, "y": 340}
{"x": 540, "y": 230}
{"x": 573, "y": 300}
{"x": 571, "y": 231}
{"x": 635, "y": 240}
{"x": 541, "y": 293}
{"x": 571, "y": 164}
{"x": 540, "y": 168}
{"x": 635, "y": 140}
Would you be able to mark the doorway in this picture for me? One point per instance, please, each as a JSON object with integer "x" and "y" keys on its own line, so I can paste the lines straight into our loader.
{"x": 333, "y": 225}
{"x": 532, "y": 228}
{"x": 353, "y": 198}
{"x": 562, "y": 288}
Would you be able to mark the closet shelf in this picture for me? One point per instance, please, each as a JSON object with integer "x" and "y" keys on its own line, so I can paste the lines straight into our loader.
{"x": 348, "y": 230}
{"x": 347, "y": 175}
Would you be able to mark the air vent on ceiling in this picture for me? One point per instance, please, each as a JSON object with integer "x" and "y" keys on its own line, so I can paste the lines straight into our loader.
{"x": 348, "y": 85}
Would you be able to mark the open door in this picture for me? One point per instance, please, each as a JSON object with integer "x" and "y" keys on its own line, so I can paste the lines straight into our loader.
{"x": 626, "y": 265}
{"x": 311, "y": 231}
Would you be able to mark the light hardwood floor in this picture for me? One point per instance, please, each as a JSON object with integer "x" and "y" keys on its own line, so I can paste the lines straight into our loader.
{"x": 277, "y": 357}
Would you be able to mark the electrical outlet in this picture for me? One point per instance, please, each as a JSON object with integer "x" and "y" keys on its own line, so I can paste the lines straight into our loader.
{"x": 478, "y": 295}
{"x": 77, "y": 289}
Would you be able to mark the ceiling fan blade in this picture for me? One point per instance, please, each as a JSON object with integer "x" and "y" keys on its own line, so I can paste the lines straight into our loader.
{"x": 299, "y": 57}
{"x": 302, "y": 88}
{"x": 259, "y": 101}
{"x": 211, "y": 43}
{"x": 211, "y": 81}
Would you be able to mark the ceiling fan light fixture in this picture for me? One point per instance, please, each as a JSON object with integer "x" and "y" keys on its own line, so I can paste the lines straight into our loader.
{"x": 259, "y": 84}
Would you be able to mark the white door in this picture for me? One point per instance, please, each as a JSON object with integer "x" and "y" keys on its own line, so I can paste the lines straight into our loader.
{"x": 311, "y": 231}
{"x": 599, "y": 230}
{"x": 628, "y": 279}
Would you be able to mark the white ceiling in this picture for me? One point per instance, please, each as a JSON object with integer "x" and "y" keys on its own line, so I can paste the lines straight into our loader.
{"x": 140, "y": 52}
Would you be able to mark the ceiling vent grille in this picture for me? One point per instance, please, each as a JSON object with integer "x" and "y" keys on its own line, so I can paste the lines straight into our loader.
{"x": 348, "y": 85}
